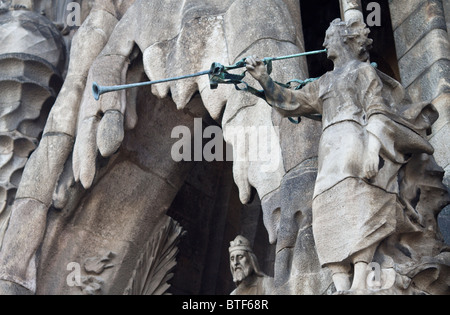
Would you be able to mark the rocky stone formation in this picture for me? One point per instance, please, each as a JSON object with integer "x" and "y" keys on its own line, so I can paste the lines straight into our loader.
{"x": 97, "y": 191}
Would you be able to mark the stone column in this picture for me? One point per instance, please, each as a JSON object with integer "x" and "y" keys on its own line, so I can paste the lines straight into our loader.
{"x": 423, "y": 51}
{"x": 351, "y": 9}
{"x": 287, "y": 210}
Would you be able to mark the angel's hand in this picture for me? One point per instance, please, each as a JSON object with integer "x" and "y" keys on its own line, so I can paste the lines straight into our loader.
{"x": 256, "y": 68}
{"x": 371, "y": 158}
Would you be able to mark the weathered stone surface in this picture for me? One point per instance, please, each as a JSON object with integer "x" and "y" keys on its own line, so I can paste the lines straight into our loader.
{"x": 351, "y": 9}
{"x": 157, "y": 119}
{"x": 441, "y": 104}
{"x": 33, "y": 35}
{"x": 296, "y": 196}
{"x": 89, "y": 41}
{"x": 432, "y": 83}
{"x": 283, "y": 71}
{"x": 270, "y": 205}
{"x": 36, "y": 184}
{"x": 269, "y": 44}
{"x": 422, "y": 57}
{"x": 429, "y": 16}
{"x": 107, "y": 230}
{"x": 257, "y": 157}
{"x": 100, "y": 223}
{"x": 444, "y": 224}
{"x": 21, "y": 243}
{"x": 297, "y": 266}
{"x": 160, "y": 196}
{"x": 447, "y": 14}
{"x": 214, "y": 49}
{"x": 278, "y": 26}
{"x": 10, "y": 288}
{"x": 442, "y": 146}
{"x": 444, "y": 217}
{"x": 15, "y": 151}
{"x": 32, "y": 59}
{"x": 401, "y": 9}
{"x": 298, "y": 142}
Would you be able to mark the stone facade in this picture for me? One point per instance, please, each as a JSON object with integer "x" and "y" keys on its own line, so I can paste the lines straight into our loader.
{"x": 127, "y": 205}
{"x": 424, "y": 24}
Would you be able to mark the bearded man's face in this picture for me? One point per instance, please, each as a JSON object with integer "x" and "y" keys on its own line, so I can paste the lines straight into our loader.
{"x": 240, "y": 265}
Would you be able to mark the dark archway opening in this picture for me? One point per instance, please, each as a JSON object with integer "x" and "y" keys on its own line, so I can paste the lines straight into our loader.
{"x": 317, "y": 16}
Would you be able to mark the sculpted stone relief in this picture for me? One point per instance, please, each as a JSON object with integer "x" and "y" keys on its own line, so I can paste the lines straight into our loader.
{"x": 115, "y": 34}
{"x": 32, "y": 59}
{"x": 369, "y": 139}
{"x": 370, "y": 187}
{"x": 247, "y": 275}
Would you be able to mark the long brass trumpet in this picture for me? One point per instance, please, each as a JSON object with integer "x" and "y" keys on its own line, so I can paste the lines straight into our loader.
{"x": 98, "y": 90}
{"x": 218, "y": 74}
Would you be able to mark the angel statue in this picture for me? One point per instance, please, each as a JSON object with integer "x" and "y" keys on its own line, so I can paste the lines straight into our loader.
{"x": 366, "y": 140}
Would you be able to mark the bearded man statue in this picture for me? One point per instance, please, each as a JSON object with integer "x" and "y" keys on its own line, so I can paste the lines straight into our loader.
{"x": 247, "y": 275}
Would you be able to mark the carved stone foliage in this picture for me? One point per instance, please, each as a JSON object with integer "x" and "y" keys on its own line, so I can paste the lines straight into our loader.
{"x": 91, "y": 281}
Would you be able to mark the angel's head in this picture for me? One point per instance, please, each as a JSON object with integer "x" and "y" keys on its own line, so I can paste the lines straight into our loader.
{"x": 352, "y": 36}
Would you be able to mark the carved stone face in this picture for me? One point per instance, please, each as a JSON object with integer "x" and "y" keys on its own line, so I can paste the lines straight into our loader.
{"x": 241, "y": 266}
{"x": 339, "y": 46}
{"x": 333, "y": 43}
{"x": 346, "y": 42}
